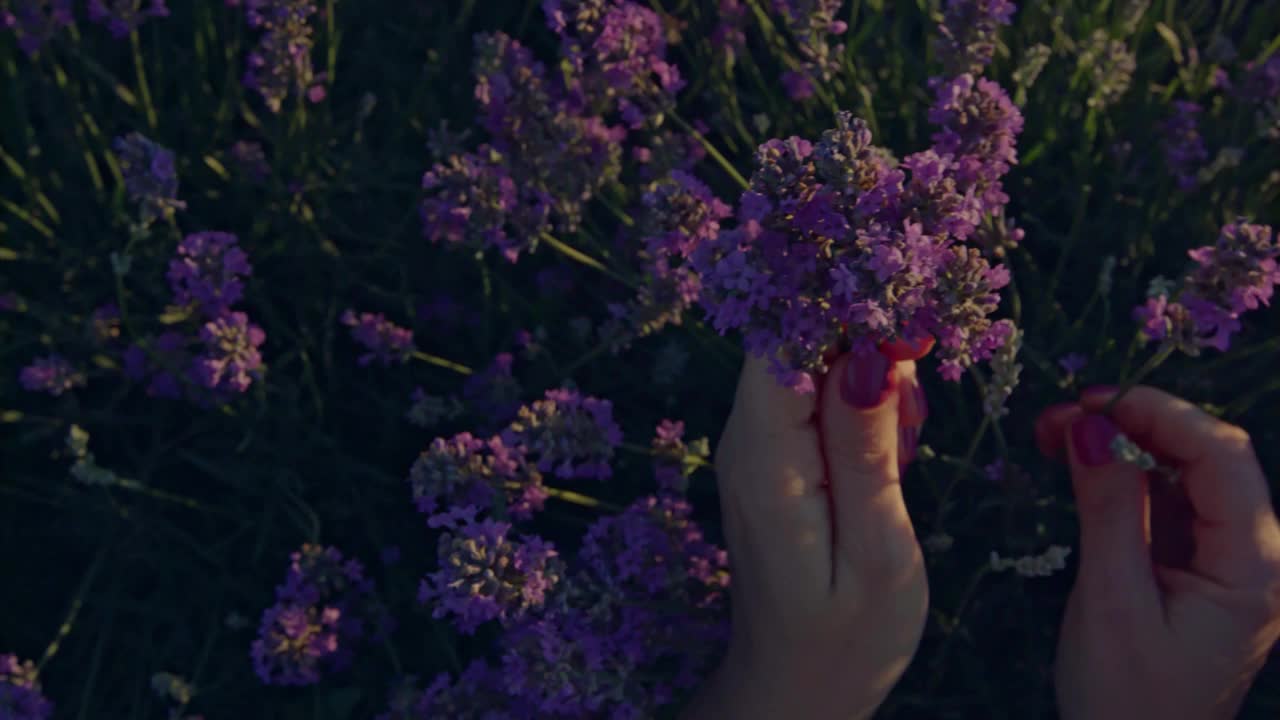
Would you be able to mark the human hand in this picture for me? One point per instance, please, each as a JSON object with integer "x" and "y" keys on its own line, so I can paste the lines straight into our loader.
{"x": 1177, "y": 600}
{"x": 829, "y": 593}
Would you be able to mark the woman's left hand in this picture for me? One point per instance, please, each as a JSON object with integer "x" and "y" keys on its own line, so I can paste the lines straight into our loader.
{"x": 829, "y": 592}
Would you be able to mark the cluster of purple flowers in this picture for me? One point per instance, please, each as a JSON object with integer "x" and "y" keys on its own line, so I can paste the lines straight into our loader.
{"x": 966, "y": 38}
{"x": 673, "y": 459}
{"x": 617, "y": 49}
{"x": 206, "y": 277}
{"x": 467, "y": 471}
{"x": 52, "y": 374}
{"x": 251, "y": 160}
{"x": 489, "y": 573}
{"x": 680, "y": 213}
{"x": 1184, "y": 149}
{"x": 150, "y": 177}
{"x": 124, "y": 16}
{"x": 493, "y": 394}
{"x": 1236, "y": 274}
{"x": 568, "y": 434}
{"x": 385, "y": 342}
{"x": 281, "y": 62}
{"x": 34, "y": 22}
{"x": 20, "y": 697}
{"x": 833, "y": 240}
{"x": 324, "y": 607}
{"x": 810, "y": 23}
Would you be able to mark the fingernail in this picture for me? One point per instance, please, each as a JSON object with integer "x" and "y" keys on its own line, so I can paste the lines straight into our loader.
{"x": 1092, "y": 436}
{"x": 865, "y": 377}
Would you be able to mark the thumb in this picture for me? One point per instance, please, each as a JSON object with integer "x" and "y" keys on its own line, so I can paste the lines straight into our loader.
{"x": 1112, "y": 502}
{"x": 860, "y": 415}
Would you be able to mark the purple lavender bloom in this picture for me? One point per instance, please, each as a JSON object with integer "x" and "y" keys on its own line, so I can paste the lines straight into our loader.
{"x": 673, "y": 459}
{"x": 1184, "y": 149}
{"x": 810, "y": 22}
{"x": 231, "y": 360}
{"x": 476, "y": 694}
{"x": 170, "y": 351}
{"x": 1261, "y": 82}
{"x": 281, "y": 62}
{"x": 150, "y": 176}
{"x": 323, "y": 609}
{"x": 386, "y": 342}
{"x": 968, "y": 33}
{"x": 797, "y": 85}
{"x": 979, "y": 126}
{"x": 34, "y": 22}
{"x": 465, "y": 470}
{"x": 104, "y": 324}
{"x": 1072, "y": 363}
{"x": 124, "y": 16}
{"x": 51, "y": 374}
{"x": 20, "y": 696}
{"x": 250, "y": 158}
{"x": 488, "y": 574}
{"x": 730, "y": 35}
{"x": 494, "y": 393}
{"x": 473, "y": 200}
{"x": 567, "y": 433}
{"x": 208, "y": 271}
{"x": 1231, "y": 277}
{"x": 617, "y": 49}
{"x": 10, "y": 302}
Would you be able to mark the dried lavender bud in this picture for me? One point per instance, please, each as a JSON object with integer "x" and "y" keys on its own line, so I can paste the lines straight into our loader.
{"x": 967, "y": 34}
{"x": 52, "y": 374}
{"x": 1005, "y": 371}
{"x": 1110, "y": 67}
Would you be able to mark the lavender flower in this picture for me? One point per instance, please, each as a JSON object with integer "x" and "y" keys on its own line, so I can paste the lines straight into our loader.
{"x": 730, "y": 37}
{"x": 1005, "y": 372}
{"x": 673, "y": 460}
{"x": 323, "y": 608}
{"x": 124, "y": 16}
{"x": 251, "y": 160}
{"x": 980, "y": 127}
{"x": 104, "y": 324}
{"x": 494, "y": 393}
{"x": 34, "y": 22}
{"x": 1236, "y": 274}
{"x": 475, "y": 201}
{"x": 617, "y": 49}
{"x": 797, "y": 85}
{"x": 20, "y": 697}
{"x": 1033, "y": 63}
{"x": 208, "y": 271}
{"x": 1073, "y": 363}
{"x": 281, "y": 62}
{"x": 1261, "y": 82}
{"x": 967, "y": 35}
{"x": 465, "y": 470}
{"x": 1184, "y": 149}
{"x": 150, "y": 177}
{"x": 231, "y": 361}
{"x": 170, "y": 355}
{"x": 386, "y": 342}
{"x": 810, "y": 22}
{"x": 567, "y": 433}
{"x": 1110, "y": 67}
{"x": 51, "y": 374}
{"x": 476, "y": 694}
{"x": 427, "y": 411}
{"x": 487, "y": 574}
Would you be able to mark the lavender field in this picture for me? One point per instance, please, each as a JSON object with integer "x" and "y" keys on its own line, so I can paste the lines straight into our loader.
{"x": 369, "y": 359}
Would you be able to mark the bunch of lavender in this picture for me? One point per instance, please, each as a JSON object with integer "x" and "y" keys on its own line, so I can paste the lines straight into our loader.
{"x": 34, "y": 22}
{"x": 810, "y": 22}
{"x": 323, "y": 609}
{"x": 547, "y": 157}
{"x": 831, "y": 241}
{"x": 476, "y": 694}
{"x": 1236, "y": 274}
{"x": 206, "y": 277}
{"x": 387, "y": 343}
{"x": 124, "y": 16}
{"x": 680, "y": 213}
{"x": 150, "y": 177}
{"x": 1108, "y": 65}
{"x": 281, "y": 62}
{"x": 567, "y": 433}
{"x": 617, "y": 51}
{"x": 20, "y": 697}
{"x": 967, "y": 34}
{"x": 464, "y": 470}
{"x": 1184, "y": 149}
{"x": 640, "y": 620}
{"x": 488, "y": 573}
{"x": 52, "y": 374}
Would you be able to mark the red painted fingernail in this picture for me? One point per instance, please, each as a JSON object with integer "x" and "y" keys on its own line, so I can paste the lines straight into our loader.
{"x": 865, "y": 378}
{"x": 1092, "y": 436}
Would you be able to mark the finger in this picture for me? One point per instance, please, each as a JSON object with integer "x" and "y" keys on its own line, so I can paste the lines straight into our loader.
{"x": 903, "y": 349}
{"x": 769, "y": 468}
{"x": 873, "y": 538}
{"x": 913, "y": 410}
{"x": 1111, "y": 500}
{"x": 1051, "y": 426}
{"x": 1236, "y": 534}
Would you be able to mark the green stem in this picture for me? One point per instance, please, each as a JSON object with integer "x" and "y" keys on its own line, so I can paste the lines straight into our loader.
{"x": 441, "y": 362}
{"x": 1147, "y": 368}
{"x": 73, "y": 612}
{"x": 720, "y": 159}
{"x": 143, "y": 90}
{"x": 577, "y": 255}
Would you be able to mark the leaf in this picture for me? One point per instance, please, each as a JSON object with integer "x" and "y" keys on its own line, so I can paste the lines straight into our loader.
{"x": 174, "y": 314}
{"x": 7, "y": 254}
{"x": 217, "y": 167}
{"x": 1171, "y": 39}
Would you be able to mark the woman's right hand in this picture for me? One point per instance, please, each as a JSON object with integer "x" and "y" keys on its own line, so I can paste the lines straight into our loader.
{"x": 1177, "y": 600}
